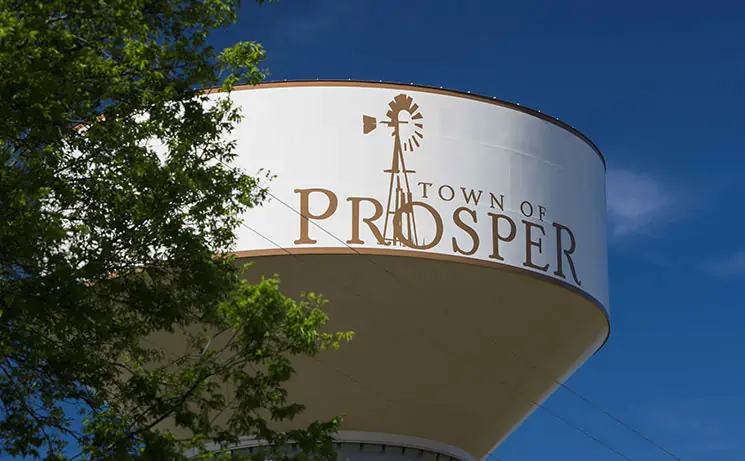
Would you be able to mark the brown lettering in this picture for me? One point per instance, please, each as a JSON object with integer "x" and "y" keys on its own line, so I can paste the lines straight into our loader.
{"x": 424, "y": 188}
{"x": 306, "y": 215}
{"x": 471, "y": 195}
{"x": 452, "y": 192}
{"x": 469, "y": 230}
{"x": 409, "y": 208}
{"x": 530, "y": 243}
{"x": 559, "y": 249}
{"x": 499, "y": 202}
{"x": 529, "y": 213}
{"x": 497, "y": 237}
{"x": 541, "y": 212}
{"x": 369, "y": 221}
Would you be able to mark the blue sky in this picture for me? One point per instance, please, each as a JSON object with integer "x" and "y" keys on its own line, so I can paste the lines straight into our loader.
{"x": 659, "y": 87}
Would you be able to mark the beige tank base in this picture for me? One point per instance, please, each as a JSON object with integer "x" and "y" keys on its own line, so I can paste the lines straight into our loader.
{"x": 444, "y": 350}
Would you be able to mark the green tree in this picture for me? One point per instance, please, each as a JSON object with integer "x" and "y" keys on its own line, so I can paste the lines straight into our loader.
{"x": 107, "y": 238}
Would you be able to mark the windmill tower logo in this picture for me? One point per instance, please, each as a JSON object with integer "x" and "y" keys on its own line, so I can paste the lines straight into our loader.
{"x": 405, "y": 121}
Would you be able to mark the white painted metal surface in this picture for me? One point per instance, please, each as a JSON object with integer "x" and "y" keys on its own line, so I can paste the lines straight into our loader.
{"x": 487, "y": 183}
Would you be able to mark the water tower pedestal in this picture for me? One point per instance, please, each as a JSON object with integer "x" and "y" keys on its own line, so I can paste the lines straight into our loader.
{"x": 368, "y": 446}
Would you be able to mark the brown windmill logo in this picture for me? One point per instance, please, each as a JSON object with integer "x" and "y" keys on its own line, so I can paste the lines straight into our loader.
{"x": 406, "y": 122}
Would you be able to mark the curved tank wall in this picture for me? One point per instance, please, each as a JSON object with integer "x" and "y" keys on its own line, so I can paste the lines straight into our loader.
{"x": 462, "y": 238}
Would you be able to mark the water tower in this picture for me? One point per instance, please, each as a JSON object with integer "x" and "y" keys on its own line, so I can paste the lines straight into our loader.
{"x": 461, "y": 237}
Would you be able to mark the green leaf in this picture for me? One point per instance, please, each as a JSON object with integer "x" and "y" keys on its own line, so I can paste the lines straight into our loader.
{"x": 109, "y": 243}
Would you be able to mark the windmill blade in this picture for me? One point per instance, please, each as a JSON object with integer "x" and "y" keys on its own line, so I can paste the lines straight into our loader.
{"x": 368, "y": 124}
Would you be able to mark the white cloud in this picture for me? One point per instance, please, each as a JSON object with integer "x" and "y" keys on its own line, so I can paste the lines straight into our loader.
{"x": 732, "y": 265}
{"x": 637, "y": 202}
